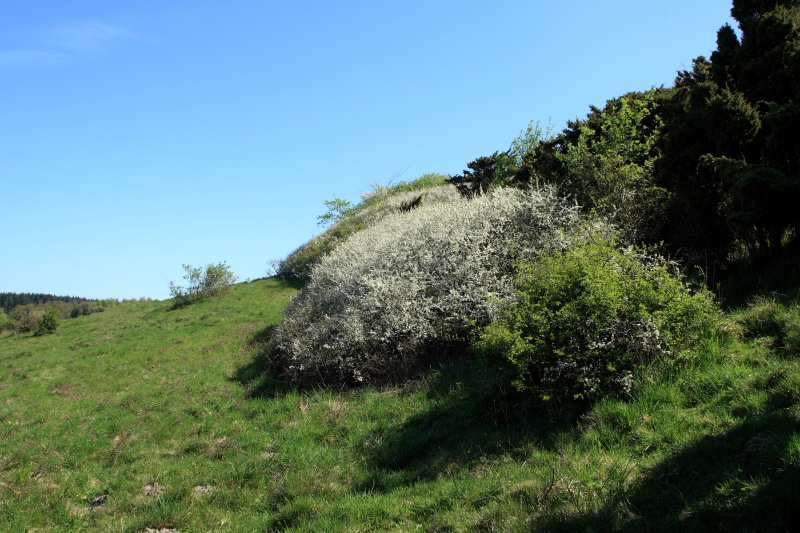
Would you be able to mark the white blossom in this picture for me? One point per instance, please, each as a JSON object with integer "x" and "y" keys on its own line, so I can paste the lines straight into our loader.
{"x": 409, "y": 291}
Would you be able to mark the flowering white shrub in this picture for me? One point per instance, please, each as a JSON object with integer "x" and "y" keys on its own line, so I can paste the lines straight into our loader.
{"x": 407, "y": 293}
{"x": 382, "y": 203}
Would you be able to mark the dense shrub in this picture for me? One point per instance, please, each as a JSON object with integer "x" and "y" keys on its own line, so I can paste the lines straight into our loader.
{"x": 31, "y": 318}
{"x": 48, "y": 323}
{"x": 407, "y": 293}
{"x": 213, "y": 280}
{"x": 382, "y": 202}
{"x": 25, "y": 318}
{"x": 585, "y": 320}
{"x": 605, "y": 162}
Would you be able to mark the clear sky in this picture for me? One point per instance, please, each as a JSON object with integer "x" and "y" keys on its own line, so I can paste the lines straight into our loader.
{"x": 136, "y": 136}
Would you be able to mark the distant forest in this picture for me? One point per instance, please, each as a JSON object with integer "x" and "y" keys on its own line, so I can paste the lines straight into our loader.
{"x": 10, "y": 300}
{"x": 24, "y": 312}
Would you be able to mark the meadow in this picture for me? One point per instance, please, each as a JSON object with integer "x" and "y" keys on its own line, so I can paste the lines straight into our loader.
{"x": 534, "y": 345}
{"x": 153, "y": 418}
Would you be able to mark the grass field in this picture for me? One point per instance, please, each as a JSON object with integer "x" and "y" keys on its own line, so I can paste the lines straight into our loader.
{"x": 148, "y": 418}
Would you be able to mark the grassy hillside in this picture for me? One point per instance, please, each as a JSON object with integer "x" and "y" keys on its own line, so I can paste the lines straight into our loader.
{"x": 146, "y": 418}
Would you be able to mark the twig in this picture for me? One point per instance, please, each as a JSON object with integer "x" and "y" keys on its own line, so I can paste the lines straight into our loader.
{"x": 9, "y": 487}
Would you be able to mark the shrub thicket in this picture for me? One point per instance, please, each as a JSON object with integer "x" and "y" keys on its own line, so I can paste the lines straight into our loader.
{"x": 48, "y": 323}
{"x": 25, "y": 318}
{"x": 30, "y": 318}
{"x": 406, "y": 294}
{"x": 382, "y": 202}
{"x": 213, "y": 280}
{"x": 5, "y": 320}
{"x": 583, "y": 321}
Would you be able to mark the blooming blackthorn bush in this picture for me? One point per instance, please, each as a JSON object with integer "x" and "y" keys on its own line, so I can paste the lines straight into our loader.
{"x": 405, "y": 294}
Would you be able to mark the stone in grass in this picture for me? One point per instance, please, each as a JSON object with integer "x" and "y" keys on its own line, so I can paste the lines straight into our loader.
{"x": 200, "y": 491}
{"x": 99, "y": 501}
{"x": 154, "y": 489}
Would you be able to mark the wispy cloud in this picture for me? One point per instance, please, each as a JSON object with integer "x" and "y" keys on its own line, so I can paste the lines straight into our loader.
{"x": 64, "y": 44}
{"x": 21, "y": 58}
{"x": 88, "y": 37}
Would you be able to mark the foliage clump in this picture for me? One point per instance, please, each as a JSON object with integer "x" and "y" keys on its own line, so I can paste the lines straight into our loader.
{"x": 404, "y": 295}
{"x": 585, "y": 320}
{"x": 380, "y": 203}
{"x": 24, "y": 319}
{"x": 48, "y": 323}
{"x": 29, "y": 318}
{"x": 215, "y": 279}
{"x": 604, "y": 163}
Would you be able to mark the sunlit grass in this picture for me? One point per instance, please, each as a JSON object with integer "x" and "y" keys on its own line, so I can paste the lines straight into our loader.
{"x": 147, "y": 417}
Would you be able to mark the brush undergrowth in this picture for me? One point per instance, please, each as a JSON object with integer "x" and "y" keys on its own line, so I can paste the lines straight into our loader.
{"x": 145, "y": 417}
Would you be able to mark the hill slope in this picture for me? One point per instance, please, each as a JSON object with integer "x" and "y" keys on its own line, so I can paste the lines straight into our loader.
{"x": 145, "y": 417}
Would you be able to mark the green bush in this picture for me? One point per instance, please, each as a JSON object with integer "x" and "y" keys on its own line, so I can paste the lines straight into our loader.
{"x": 213, "y": 280}
{"x": 338, "y": 210}
{"x": 585, "y": 320}
{"x": 25, "y": 318}
{"x": 48, "y": 323}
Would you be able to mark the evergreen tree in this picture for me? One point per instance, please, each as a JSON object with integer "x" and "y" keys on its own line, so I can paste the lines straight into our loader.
{"x": 730, "y": 155}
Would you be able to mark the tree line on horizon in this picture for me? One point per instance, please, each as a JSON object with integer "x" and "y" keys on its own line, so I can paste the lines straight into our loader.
{"x": 10, "y": 300}
{"x": 27, "y": 312}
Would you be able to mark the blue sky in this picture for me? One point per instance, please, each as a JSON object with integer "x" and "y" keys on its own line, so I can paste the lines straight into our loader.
{"x": 139, "y": 136}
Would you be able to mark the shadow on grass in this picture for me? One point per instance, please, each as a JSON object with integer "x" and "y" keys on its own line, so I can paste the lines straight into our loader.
{"x": 741, "y": 480}
{"x": 745, "y": 479}
{"x": 472, "y": 419}
{"x": 256, "y": 376}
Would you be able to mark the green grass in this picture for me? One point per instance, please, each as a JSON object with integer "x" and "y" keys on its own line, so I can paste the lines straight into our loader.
{"x": 112, "y": 423}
